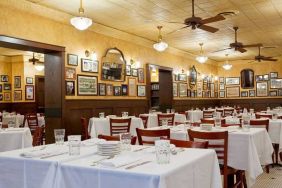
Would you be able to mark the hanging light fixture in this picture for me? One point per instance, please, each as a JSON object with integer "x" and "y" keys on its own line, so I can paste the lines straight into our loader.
{"x": 201, "y": 58}
{"x": 39, "y": 66}
{"x": 80, "y": 22}
{"x": 160, "y": 45}
{"x": 226, "y": 65}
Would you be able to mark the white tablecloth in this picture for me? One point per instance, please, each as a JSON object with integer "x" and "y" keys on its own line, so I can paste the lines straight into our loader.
{"x": 18, "y": 119}
{"x": 275, "y": 132}
{"x": 153, "y": 119}
{"x": 15, "y": 138}
{"x": 102, "y": 126}
{"x": 195, "y": 115}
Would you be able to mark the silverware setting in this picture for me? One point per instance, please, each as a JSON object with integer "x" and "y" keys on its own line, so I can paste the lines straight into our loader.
{"x": 138, "y": 164}
{"x": 53, "y": 155}
{"x": 141, "y": 149}
{"x": 100, "y": 160}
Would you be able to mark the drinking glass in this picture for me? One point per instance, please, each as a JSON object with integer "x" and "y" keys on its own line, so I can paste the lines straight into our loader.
{"x": 217, "y": 122}
{"x": 172, "y": 110}
{"x": 125, "y": 139}
{"x": 246, "y": 123}
{"x": 11, "y": 124}
{"x": 162, "y": 151}
{"x": 74, "y": 144}
{"x": 167, "y": 111}
{"x": 274, "y": 116}
{"x": 102, "y": 115}
{"x": 164, "y": 122}
{"x": 124, "y": 114}
{"x": 59, "y": 136}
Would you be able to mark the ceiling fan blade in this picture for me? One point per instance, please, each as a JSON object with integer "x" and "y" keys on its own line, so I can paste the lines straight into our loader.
{"x": 269, "y": 59}
{"x": 176, "y": 22}
{"x": 268, "y": 47}
{"x": 252, "y": 45}
{"x": 242, "y": 50}
{"x": 208, "y": 28}
{"x": 178, "y": 29}
{"x": 251, "y": 61}
{"x": 222, "y": 50}
{"x": 212, "y": 19}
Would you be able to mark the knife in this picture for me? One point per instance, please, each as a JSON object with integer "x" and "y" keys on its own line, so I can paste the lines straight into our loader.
{"x": 138, "y": 164}
{"x": 53, "y": 155}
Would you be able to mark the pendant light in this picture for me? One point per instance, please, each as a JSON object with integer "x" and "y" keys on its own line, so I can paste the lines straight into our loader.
{"x": 226, "y": 65}
{"x": 201, "y": 58}
{"x": 80, "y": 22}
{"x": 160, "y": 45}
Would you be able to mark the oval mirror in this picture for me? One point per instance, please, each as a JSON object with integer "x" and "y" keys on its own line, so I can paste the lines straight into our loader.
{"x": 247, "y": 79}
{"x": 193, "y": 77}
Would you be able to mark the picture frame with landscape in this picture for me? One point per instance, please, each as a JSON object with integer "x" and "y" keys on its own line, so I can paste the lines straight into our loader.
{"x": 141, "y": 91}
{"x": 87, "y": 85}
{"x": 232, "y": 81}
{"x": 276, "y": 83}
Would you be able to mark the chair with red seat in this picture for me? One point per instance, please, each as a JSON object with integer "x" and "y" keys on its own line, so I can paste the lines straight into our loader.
{"x": 189, "y": 144}
{"x": 168, "y": 117}
{"x": 84, "y": 123}
{"x": 153, "y": 134}
{"x": 144, "y": 120}
{"x": 208, "y": 114}
{"x": 211, "y": 121}
{"x": 32, "y": 121}
{"x": 116, "y": 138}
{"x": 118, "y": 126}
{"x": 37, "y": 136}
{"x": 268, "y": 116}
{"x": 228, "y": 112}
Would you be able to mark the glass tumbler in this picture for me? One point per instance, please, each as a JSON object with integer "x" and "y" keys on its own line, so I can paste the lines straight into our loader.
{"x": 162, "y": 151}
{"x": 59, "y": 136}
{"x": 125, "y": 139}
{"x": 74, "y": 144}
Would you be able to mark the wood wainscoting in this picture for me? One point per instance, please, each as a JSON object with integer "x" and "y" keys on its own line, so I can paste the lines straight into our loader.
{"x": 18, "y": 107}
{"x": 184, "y": 105}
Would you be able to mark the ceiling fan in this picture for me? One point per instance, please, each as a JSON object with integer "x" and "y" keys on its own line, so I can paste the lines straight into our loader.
{"x": 197, "y": 22}
{"x": 33, "y": 60}
{"x": 239, "y": 46}
{"x": 260, "y": 57}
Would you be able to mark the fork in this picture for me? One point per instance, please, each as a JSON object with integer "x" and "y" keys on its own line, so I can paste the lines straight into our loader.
{"x": 100, "y": 160}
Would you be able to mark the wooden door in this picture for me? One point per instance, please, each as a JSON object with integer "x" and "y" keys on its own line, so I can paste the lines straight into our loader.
{"x": 40, "y": 93}
{"x": 165, "y": 92}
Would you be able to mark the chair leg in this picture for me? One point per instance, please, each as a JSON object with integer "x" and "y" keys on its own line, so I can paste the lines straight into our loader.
{"x": 276, "y": 151}
{"x": 244, "y": 179}
{"x": 280, "y": 156}
{"x": 267, "y": 169}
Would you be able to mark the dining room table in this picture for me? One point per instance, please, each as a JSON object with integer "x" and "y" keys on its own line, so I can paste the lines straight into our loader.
{"x": 18, "y": 120}
{"x": 153, "y": 119}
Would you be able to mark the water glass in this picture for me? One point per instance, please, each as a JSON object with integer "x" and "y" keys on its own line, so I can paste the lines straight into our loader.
{"x": 164, "y": 122}
{"x": 125, "y": 139}
{"x": 124, "y": 114}
{"x": 74, "y": 144}
{"x": 246, "y": 123}
{"x": 59, "y": 136}
{"x": 102, "y": 115}
{"x": 172, "y": 110}
{"x": 217, "y": 122}
{"x": 11, "y": 124}
{"x": 274, "y": 116}
{"x": 167, "y": 111}
{"x": 162, "y": 151}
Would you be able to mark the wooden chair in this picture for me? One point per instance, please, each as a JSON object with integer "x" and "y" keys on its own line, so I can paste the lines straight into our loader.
{"x": 228, "y": 112}
{"x": 208, "y": 114}
{"x": 211, "y": 121}
{"x": 153, "y": 134}
{"x": 84, "y": 123}
{"x": 37, "y": 136}
{"x": 228, "y": 125}
{"x": 268, "y": 116}
{"x": 220, "y": 110}
{"x": 118, "y": 126}
{"x": 32, "y": 121}
{"x": 221, "y": 149}
{"x": 144, "y": 120}
{"x": 189, "y": 144}
{"x": 116, "y": 138}
{"x": 168, "y": 117}
{"x": 260, "y": 123}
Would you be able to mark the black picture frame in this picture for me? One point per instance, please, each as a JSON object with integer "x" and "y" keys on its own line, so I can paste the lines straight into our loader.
{"x": 1, "y": 88}
{"x": 252, "y": 93}
{"x": 124, "y": 90}
{"x": 29, "y": 80}
{"x": 7, "y": 87}
{"x": 4, "y": 78}
{"x": 102, "y": 89}
{"x": 128, "y": 70}
{"x": 17, "y": 82}
{"x": 134, "y": 72}
{"x": 70, "y": 88}
{"x": 1, "y": 97}
{"x": 89, "y": 65}
{"x": 92, "y": 86}
{"x": 273, "y": 93}
{"x": 72, "y": 59}
{"x": 117, "y": 90}
{"x": 17, "y": 95}
{"x": 273, "y": 74}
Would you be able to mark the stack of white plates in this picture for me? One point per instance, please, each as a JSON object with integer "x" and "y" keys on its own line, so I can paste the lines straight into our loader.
{"x": 109, "y": 148}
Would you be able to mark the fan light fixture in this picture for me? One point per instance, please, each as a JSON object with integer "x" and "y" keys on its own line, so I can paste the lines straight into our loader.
{"x": 80, "y": 22}
{"x": 201, "y": 58}
{"x": 160, "y": 45}
{"x": 226, "y": 65}
{"x": 39, "y": 66}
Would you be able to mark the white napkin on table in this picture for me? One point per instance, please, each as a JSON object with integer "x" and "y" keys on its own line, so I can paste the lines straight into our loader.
{"x": 42, "y": 153}
{"x": 92, "y": 142}
{"x": 119, "y": 161}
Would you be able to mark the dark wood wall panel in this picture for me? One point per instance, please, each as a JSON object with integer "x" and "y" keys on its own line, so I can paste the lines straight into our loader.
{"x": 183, "y": 105}
{"x": 22, "y": 108}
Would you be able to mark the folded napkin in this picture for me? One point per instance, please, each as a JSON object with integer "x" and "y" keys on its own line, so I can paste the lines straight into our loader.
{"x": 92, "y": 142}
{"x": 14, "y": 129}
{"x": 42, "y": 153}
{"x": 119, "y": 161}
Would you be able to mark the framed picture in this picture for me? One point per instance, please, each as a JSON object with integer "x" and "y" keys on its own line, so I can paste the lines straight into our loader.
{"x": 188, "y": 93}
{"x": 211, "y": 86}
{"x": 88, "y": 65}
{"x": 175, "y": 90}
{"x": 265, "y": 77}
{"x": 72, "y": 59}
{"x": 206, "y": 94}
{"x": 132, "y": 87}
{"x": 273, "y": 75}
{"x": 252, "y": 93}
{"x": 232, "y": 81}
{"x": 193, "y": 93}
{"x": 109, "y": 90}
{"x": 0, "y": 88}
{"x": 17, "y": 82}
{"x": 232, "y": 92}
{"x": 70, "y": 73}
{"x": 215, "y": 94}
{"x": 4, "y": 78}
{"x": 221, "y": 94}
{"x": 262, "y": 89}
{"x": 128, "y": 70}
{"x": 273, "y": 93}
{"x": 215, "y": 86}
{"x": 221, "y": 86}
{"x": 29, "y": 92}
{"x": 117, "y": 91}
{"x": 29, "y": 80}
{"x": 176, "y": 78}
{"x": 205, "y": 85}
{"x": 221, "y": 79}
{"x": 102, "y": 89}
{"x": 124, "y": 90}
{"x": 87, "y": 85}
{"x": 183, "y": 90}
{"x": 141, "y": 77}
{"x": 279, "y": 93}
{"x": 275, "y": 83}
{"x": 1, "y": 97}
{"x": 7, "y": 86}
{"x": 141, "y": 91}
{"x": 199, "y": 88}
{"x": 244, "y": 93}
{"x": 7, "y": 96}
{"x": 70, "y": 88}
{"x": 182, "y": 77}
{"x": 259, "y": 78}
{"x": 18, "y": 95}
{"x": 134, "y": 72}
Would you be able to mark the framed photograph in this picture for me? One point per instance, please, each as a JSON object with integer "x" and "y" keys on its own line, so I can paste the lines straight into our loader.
{"x": 275, "y": 83}
{"x": 128, "y": 70}
{"x": 262, "y": 89}
{"x": 4, "y": 78}
{"x": 216, "y": 86}
{"x": 273, "y": 75}
{"x": 141, "y": 91}
{"x": 7, "y": 87}
{"x": 175, "y": 89}
{"x": 17, "y": 95}
{"x": 259, "y": 78}
{"x": 7, "y": 96}
{"x": 88, "y": 65}
{"x": 252, "y": 93}
{"x": 134, "y": 72}
{"x": 124, "y": 90}
{"x": 199, "y": 88}
{"x": 141, "y": 76}
{"x": 87, "y": 85}
{"x": 205, "y": 85}
{"x": 72, "y": 59}
{"x": 273, "y": 93}
{"x": 221, "y": 86}
{"x": 265, "y": 77}
{"x": 206, "y": 94}
{"x": 17, "y": 82}
{"x": 232, "y": 92}
{"x": 183, "y": 90}
{"x": 102, "y": 89}
{"x": 279, "y": 93}
{"x": 221, "y": 80}
{"x": 215, "y": 94}
{"x": 221, "y": 94}
{"x": 132, "y": 87}
{"x": 29, "y": 80}
{"x": 109, "y": 90}
{"x": 244, "y": 93}
{"x": 182, "y": 77}
{"x": 0, "y": 88}
{"x": 117, "y": 91}
{"x": 70, "y": 88}
{"x": 193, "y": 93}
{"x": 211, "y": 87}
{"x": 70, "y": 73}
{"x": 29, "y": 92}
{"x": 232, "y": 81}
{"x": 1, "y": 97}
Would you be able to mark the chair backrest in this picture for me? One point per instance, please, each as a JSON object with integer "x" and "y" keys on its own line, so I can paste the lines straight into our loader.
{"x": 168, "y": 117}
{"x": 153, "y": 134}
{"x": 144, "y": 120}
{"x": 37, "y": 136}
{"x": 189, "y": 144}
{"x": 208, "y": 113}
{"x": 220, "y": 110}
{"x": 84, "y": 123}
{"x": 116, "y": 138}
{"x": 260, "y": 123}
{"x": 269, "y": 116}
{"x": 211, "y": 121}
{"x": 118, "y": 126}
{"x": 228, "y": 112}
{"x": 32, "y": 121}
{"x": 228, "y": 125}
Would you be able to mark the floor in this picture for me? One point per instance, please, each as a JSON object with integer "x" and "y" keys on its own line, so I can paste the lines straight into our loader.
{"x": 271, "y": 180}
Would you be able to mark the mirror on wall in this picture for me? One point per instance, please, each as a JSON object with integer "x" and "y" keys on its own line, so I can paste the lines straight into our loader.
{"x": 193, "y": 76}
{"x": 113, "y": 65}
{"x": 247, "y": 79}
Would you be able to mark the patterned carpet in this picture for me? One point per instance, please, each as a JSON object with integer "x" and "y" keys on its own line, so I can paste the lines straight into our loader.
{"x": 271, "y": 180}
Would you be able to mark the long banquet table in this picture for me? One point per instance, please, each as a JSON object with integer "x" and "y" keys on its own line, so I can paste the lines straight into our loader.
{"x": 195, "y": 168}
